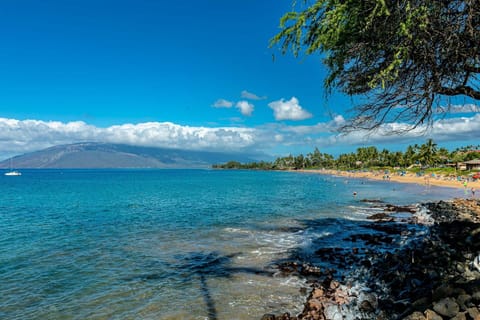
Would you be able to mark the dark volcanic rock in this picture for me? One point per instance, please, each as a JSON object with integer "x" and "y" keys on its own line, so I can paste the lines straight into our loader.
{"x": 430, "y": 278}
{"x": 370, "y": 239}
{"x": 393, "y": 208}
{"x": 371, "y": 201}
{"x": 380, "y": 216}
{"x": 304, "y": 269}
{"x": 447, "y": 307}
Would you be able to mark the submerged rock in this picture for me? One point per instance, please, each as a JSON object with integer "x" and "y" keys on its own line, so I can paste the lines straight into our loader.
{"x": 371, "y": 200}
{"x": 393, "y": 208}
{"x": 380, "y": 216}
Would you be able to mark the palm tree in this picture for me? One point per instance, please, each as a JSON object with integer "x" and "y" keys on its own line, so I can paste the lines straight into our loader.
{"x": 384, "y": 155}
{"x": 409, "y": 156}
{"x": 443, "y": 155}
{"x": 397, "y": 159}
{"x": 315, "y": 158}
{"x": 428, "y": 152}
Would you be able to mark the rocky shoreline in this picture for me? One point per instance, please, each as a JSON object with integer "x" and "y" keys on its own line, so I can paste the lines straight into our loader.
{"x": 433, "y": 274}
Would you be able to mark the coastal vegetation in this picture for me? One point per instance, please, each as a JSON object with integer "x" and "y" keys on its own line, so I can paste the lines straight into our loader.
{"x": 427, "y": 157}
{"x": 405, "y": 59}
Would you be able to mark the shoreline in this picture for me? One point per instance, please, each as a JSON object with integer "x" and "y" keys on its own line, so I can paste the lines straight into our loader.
{"x": 436, "y": 275}
{"x": 407, "y": 178}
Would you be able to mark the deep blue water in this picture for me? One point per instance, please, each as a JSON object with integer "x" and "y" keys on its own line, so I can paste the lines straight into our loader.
{"x": 168, "y": 244}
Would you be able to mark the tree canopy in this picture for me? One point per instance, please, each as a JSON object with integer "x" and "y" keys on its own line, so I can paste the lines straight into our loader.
{"x": 425, "y": 155}
{"x": 402, "y": 56}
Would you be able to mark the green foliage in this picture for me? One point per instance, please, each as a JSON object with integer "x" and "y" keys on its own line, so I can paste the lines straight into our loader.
{"x": 428, "y": 153}
{"x": 418, "y": 158}
{"x": 446, "y": 171}
{"x": 404, "y": 54}
{"x": 262, "y": 165}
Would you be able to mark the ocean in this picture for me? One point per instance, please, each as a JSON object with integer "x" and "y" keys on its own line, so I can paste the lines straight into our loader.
{"x": 172, "y": 244}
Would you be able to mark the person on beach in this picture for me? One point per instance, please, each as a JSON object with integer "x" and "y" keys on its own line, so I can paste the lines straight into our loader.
{"x": 473, "y": 192}
{"x": 427, "y": 180}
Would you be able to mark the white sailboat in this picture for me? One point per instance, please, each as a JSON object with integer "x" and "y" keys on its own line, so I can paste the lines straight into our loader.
{"x": 12, "y": 172}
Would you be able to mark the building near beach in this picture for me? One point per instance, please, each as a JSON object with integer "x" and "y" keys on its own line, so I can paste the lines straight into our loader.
{"x": 457, "y": 165}
{"x": 473, "y": 164}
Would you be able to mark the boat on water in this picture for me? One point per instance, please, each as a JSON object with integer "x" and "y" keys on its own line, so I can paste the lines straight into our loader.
{"x": 13, "y": 173}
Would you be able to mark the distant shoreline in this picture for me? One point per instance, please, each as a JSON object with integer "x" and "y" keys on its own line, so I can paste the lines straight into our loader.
{"x": 406, "y": 178}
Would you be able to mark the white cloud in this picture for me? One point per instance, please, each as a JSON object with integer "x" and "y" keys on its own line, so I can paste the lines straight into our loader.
{"x": 222, "y": 103}
{"x": 463, "y": 108}
{"x": 251, "y": 96}
{"x": 452, "y": 129}
{"x": 245, "y": 108}
{"x": 462, "y": 128}
{"x": 289, "y": 110}
{"x": 22, "y": 136}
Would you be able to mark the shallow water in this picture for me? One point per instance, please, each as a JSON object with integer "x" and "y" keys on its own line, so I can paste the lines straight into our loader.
{"x": 171, "y": 244}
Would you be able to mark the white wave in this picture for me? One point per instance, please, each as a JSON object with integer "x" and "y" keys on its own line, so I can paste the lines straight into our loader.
{"x": 237, "y": 230}
{"x": 423, "y": 216}
{"x": 293, "y": 281}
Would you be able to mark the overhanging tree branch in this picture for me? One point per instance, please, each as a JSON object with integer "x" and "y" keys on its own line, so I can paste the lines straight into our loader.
{"x": 460, "y": 90}
{"x": 402, "y": 56}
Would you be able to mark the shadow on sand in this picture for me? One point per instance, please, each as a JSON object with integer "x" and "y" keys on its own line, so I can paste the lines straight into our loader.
{"x": 202, "y": 266}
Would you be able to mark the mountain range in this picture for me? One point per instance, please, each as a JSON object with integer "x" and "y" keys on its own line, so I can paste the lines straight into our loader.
{"x": 107, "y": 155}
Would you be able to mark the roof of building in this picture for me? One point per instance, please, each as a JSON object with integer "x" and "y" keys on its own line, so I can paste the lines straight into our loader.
{"x": 474, "y": 161}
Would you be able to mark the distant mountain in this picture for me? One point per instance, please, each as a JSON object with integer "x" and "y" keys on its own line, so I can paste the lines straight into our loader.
{"x": 105, "y": 155}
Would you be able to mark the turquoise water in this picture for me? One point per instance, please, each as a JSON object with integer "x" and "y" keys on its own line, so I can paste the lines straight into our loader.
{"x": 169, "y": 244}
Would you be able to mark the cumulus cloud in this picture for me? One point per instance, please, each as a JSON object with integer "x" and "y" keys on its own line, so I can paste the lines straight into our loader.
{"x": 289, "y": 110}
{"x": 462, "y": 128}
{"x": 251, "y": 96}
{"x": 222, "y": 103}
{"x": 452, "y": 129}
{"x": 245, "y": 107}
{"x": 464, "y": 108}
{"x": 22, "y": 136}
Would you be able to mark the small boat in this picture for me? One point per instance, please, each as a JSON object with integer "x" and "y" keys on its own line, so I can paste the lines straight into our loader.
{"x": 13, "y": 173}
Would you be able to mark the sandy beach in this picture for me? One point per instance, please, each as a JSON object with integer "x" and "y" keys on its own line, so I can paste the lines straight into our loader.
{"x": 407, "y": 178}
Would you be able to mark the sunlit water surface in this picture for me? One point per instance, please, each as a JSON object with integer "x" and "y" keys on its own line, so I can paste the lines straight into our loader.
{"x": 170, "y": 244}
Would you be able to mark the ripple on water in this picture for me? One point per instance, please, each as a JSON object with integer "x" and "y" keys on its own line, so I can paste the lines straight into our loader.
{"x": 171, "y": 244}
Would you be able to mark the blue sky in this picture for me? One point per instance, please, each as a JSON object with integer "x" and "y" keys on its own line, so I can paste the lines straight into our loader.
{"x": 183, "y": 74}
